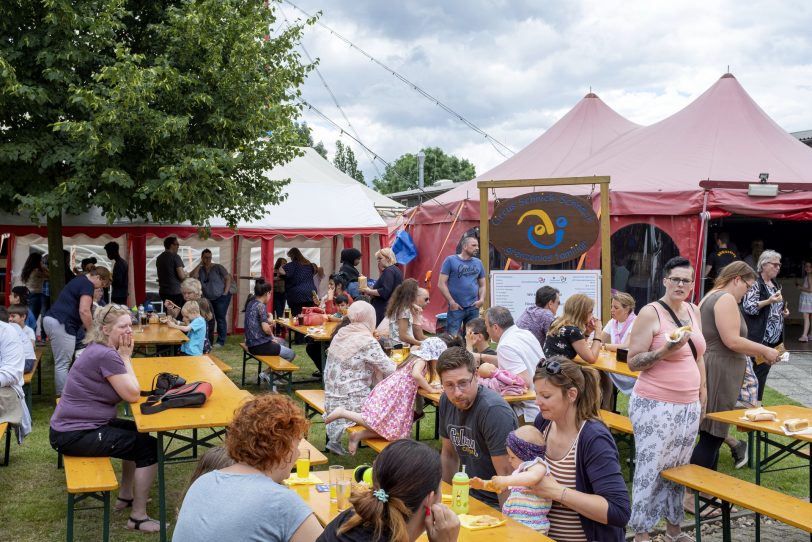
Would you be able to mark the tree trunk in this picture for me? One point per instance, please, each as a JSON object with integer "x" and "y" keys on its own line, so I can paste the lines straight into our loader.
{"x": 56, "y": 260}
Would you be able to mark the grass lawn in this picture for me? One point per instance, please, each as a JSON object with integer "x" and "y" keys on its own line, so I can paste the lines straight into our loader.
{"x": 32, "y": 491}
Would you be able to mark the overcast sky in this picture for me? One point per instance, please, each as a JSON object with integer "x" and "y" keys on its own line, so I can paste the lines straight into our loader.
{"x": 514, "y": 68}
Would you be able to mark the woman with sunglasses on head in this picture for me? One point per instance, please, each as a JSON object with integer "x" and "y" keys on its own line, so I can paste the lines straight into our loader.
{"x": 667, "y": 347}
{"x": 764, "y": 312}
{"x": 590, "y": 499}
{"x": 84, "y": 423}
{"x": 725, "y": 357}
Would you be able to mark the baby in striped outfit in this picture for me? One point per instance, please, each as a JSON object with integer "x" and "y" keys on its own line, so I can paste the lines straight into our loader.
{"x": 525, "y": 448}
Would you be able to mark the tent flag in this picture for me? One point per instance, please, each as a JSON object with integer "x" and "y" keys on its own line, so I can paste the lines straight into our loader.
{"x": 404, "y": 248}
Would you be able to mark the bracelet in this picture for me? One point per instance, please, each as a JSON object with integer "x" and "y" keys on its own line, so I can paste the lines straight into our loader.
{"x": 597, "y": 339}
{"x": 563, "y": 492}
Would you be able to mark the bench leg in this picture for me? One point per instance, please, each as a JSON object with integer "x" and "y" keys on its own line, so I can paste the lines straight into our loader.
{"x": 697, "y": 518}
{"x": 70, "y": 517}
{"x": 39, "y": 378}
{"x": 726, "y": 522}
{"x": 106, "y": 531}
{"x": 28, "y": 399}
{"x": 7, "y": 452}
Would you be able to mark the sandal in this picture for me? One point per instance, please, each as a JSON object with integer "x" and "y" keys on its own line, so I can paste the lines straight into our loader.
{"x": 128, "y": 503}
{"x": 138, "y": 522}
{"x": 803, "y": 338}
{"x": 680, "y": 537}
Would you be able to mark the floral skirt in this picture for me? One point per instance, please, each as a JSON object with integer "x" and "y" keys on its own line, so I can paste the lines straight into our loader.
{"x": 664, "y": 436}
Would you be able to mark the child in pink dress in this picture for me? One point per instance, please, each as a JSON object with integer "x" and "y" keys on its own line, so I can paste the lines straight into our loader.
{"x": 388, "y": 410}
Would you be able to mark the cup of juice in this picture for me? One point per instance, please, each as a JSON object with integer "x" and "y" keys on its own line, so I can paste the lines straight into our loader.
{"x": 336, "y": 475}
{"x": 303, "y": 464}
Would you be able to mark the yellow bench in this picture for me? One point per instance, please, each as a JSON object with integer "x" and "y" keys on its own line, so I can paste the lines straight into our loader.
{"x": 89, "y": 477}
{"x": 280, "y": 368}
{"x": 222, "y": 365}
{"x": 314, "y": 404}
{"x": 4, "y": 430}
{"x": 727, "y": 491}
{"x": 622, "y": 427}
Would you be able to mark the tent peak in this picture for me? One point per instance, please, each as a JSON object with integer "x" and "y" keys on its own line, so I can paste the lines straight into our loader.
{"x": 591, "y": 95}
{"x": 728, "y": 75}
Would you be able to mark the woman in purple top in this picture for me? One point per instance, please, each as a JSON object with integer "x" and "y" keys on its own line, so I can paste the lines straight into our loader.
{"x": 84, "y": 423}
{"x": 591, "y": 501}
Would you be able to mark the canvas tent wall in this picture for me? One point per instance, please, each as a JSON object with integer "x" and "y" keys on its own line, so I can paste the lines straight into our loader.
{"x": 655, "y": 173}
{"x": 320, "y": 214}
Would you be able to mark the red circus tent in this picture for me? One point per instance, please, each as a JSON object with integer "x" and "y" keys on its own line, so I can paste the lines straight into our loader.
{"x": 655, "y": 171}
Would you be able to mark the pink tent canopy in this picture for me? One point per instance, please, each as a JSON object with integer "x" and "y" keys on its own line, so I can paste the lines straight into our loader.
{"x": 655, "y": 171}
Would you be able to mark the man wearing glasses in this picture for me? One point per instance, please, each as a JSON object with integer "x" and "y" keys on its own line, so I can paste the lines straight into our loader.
{"x": 474, "y": 424}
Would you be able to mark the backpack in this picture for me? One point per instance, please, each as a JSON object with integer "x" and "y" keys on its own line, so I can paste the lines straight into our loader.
{"x": 189, "y": 395}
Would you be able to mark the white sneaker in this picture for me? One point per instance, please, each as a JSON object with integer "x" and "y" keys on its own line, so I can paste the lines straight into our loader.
{"x": 739, "y": 453}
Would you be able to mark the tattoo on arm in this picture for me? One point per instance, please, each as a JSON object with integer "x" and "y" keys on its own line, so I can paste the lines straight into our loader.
{"x": 643, "y": 361}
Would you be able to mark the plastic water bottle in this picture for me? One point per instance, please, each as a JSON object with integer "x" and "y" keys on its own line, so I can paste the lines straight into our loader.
{"x": 460, "y": 486}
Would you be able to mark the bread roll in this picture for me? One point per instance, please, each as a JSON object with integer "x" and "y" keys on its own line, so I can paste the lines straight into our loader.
{"x": 796, "y": 424}
{"x": 676, "y": 335}
{"x": 760, "y": 414}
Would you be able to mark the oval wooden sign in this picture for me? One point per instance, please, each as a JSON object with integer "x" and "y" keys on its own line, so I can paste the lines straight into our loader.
{"x": 544, "y": 228}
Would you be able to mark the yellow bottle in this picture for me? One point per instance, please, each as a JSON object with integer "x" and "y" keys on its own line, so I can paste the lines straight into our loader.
{"x": 460, "y": 485}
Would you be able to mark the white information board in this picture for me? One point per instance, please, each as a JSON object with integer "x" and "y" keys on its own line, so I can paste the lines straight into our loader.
{"x": 516, "y": 290}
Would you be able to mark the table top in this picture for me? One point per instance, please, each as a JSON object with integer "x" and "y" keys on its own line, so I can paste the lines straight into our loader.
{"x": 784, "y": 412}
{"x": 316, "y": 457}
{"x": 435, "y": 397}
{"x": 158, "y": 334}
{"x": 218, "y": 410}
{"x": 317, "y": 333}
{"x": 325, "y": 511}
{"x": 607, "y": 361}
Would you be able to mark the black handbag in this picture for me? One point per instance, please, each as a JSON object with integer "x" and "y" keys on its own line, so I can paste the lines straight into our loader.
{"x": 163, "y": 382}
{"x": 189, "y": 395}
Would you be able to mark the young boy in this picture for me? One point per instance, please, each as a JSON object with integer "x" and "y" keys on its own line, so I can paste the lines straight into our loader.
{"x": 19, "y": 296}
{"x": 16, "y": 317}
{"x": 525, "y": 449}
{"x": 195, "y": 328}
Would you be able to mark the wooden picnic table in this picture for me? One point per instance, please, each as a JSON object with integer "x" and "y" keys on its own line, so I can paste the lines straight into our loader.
{"x": 215, "y": 415}
{"x": 765, "y": 433}
{"x": 512, "y": 530}
{"x": 607, "y": 362}
{"x": 320, "y": 334}
{"x": 165, "y": 339}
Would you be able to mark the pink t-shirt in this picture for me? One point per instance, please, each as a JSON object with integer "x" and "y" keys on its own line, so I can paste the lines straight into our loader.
{"x": 675, "y": 378}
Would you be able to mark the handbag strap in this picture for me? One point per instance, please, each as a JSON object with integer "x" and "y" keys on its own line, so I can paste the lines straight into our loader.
{"x": 678, "y": 324}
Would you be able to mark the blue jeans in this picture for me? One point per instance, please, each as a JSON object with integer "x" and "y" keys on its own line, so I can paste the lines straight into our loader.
{"x": 220, "y": 308}
{"x": 456, "y": 319}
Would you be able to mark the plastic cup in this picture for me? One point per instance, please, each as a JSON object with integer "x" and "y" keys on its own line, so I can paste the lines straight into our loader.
{"x": 343, "y": 494}
{"x": 336, "y": 474}
{"x": 303, "y": 464}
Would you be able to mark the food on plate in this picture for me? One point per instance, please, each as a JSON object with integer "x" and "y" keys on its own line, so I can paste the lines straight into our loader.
{"x": 796, "y": 424}
{"x": 760, "y": 414}
{"x": 676, "y": 335}
{"x": 484, "y": 521}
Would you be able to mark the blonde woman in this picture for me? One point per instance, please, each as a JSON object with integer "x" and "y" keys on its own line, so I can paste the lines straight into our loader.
{"x": 616, "y": 335}
{"x": 389, "y": 279}
{"x": 84, "y": 423}
{"x": 567, "y": 335}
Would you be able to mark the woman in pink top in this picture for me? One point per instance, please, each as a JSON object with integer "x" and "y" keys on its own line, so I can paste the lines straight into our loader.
{"x": 667, "y": 402}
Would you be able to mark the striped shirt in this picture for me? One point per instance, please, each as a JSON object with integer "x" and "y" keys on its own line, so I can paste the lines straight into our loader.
{"x": 525, "y": 506}
{"x": 565, "y": 524}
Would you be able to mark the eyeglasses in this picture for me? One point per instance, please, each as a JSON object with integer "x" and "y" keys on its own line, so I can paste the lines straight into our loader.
{"x": 748, "y": 284}
{"x": 551, "y": 366}
{"x": 109, "y": 308}
{"x": 775, "y": 264}
{"x": 462, "y": 385}
{"x": 676, "y": 281}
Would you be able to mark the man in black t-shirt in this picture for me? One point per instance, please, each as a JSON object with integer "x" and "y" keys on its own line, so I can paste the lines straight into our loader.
{"x": 120, "y": 283}
{"x": 474, "y": 424}
{"x": 722, "y": 256}
{"x": 170, "y": 272}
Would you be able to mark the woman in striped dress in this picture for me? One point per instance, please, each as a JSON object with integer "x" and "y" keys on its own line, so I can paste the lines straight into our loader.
{"x": 590, "y": 500}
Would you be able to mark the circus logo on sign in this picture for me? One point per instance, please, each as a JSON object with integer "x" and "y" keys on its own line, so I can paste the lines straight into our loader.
{"x": 544, "y": 228}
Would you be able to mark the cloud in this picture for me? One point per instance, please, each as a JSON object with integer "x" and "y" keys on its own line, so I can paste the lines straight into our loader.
{"x": 514, "y": 68}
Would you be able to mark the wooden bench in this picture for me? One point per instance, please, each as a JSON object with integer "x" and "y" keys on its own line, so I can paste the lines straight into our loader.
{"x": 314, "y": 404}
{"x": 727, "y": 491}
{"x": 29, "y": 375}
{"x": 621, "y": 426}
{"x": 5, "y": 431}
{"x": 280, "y": 368}
{"x": 222, "y": 365}
{"x": 89, "y": 477}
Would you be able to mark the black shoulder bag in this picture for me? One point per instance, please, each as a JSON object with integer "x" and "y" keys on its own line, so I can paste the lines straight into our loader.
{"x": 678, "y": 324}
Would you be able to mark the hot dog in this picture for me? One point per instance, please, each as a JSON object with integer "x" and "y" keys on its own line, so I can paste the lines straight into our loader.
{"x": 676, "y": 335}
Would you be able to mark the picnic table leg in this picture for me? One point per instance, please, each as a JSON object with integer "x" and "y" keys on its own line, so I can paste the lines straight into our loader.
{"x": 244, "y": 360}
{"x": 71, "y": 504}
{"x": 39, "y": 378}
{"x": 161, "y": 486}
{"x": 750, "y": 441}
{"x": 726, "y": 521}
{"x": 758, "y": 480}
{"x": 7, "y": 452}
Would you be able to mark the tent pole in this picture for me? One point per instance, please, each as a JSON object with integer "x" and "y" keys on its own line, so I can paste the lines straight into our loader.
{"x": 704, "y": 223}
{"x": 606, "y": 254}
{"x": 484, "y": 242}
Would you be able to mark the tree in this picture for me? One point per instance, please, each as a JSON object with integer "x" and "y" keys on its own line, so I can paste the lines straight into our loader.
{"x": 168, "y": 111}
{"x": 402, "y": 174}
{"x": 305, "y": 139}
{"x": 346, "y": 162}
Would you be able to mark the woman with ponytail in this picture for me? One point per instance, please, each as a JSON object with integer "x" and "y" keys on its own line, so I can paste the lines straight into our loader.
{"x": 403, "y": 502}
{"x": 590, "y": 500}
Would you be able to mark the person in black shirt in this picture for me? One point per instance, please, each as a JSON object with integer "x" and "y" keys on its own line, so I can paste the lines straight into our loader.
{"x": 119, "y": 285}
{"x": 403, "y": 502}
